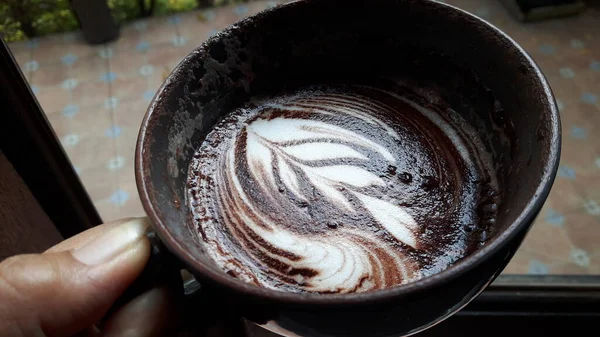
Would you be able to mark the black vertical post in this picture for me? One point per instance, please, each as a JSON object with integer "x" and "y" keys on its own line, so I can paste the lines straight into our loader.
{"x": 205, "y": 3}
{"x": 97, "y": 23}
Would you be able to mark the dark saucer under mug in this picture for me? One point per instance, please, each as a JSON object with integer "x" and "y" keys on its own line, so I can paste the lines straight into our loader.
{"x": 480, "y": 72}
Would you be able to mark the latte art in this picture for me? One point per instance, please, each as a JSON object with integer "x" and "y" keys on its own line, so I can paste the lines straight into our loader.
{"x": 284, "y": 151}
{"x": 345, "y": 189}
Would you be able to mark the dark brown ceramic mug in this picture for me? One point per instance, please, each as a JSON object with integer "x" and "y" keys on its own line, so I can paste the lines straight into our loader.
{"x": 481, "y": 72}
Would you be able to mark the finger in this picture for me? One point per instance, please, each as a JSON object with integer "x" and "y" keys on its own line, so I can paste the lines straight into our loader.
{"x": 151, "y": 314}
{"x": 63, "y": 293}
{"x": 86, "y": 237}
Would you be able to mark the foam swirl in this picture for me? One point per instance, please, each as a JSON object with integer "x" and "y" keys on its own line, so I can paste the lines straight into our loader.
{"x": 305, "y": 193}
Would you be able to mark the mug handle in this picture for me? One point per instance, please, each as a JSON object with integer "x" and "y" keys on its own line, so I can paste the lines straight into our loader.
{"x": 162, "y": 269}
{"x": 220, "y": 311}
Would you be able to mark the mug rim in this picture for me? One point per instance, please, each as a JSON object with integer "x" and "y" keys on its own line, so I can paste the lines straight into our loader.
{"x": 526, "y": 215}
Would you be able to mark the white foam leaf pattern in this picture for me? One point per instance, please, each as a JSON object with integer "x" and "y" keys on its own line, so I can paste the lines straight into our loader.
{"x": 345, "y": 174}
{"x": 389, "y": 215}
{"x": 287, "y": 130}
{"x": 294, "y": 143}
{"x": 331, "y": 192}
{"x": 289, "y": 178}
{"x": 340, "y": 104}
{"x": 260, "y": 159}
{"x": 322, "y": 151}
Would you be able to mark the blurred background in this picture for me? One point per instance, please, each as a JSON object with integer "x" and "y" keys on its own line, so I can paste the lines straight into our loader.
{"x": 95, "y": 75}
{"x": 22, "y": 19}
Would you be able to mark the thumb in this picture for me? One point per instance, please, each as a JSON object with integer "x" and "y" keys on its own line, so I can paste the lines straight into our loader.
{"x": 61, "y": 293}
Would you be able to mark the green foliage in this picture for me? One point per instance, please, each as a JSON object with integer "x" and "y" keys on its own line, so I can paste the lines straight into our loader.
{"x": 173, "y": 6}
{"x": 124, "y": 10}
{"x": 9, "y": 28}
{"x": 20, "y": 19}
{"x": 28, "y": 18}
{"x": 57, "y": 20}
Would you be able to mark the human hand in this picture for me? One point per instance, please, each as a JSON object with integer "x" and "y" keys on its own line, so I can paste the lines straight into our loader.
{"x": 67, "y": 290}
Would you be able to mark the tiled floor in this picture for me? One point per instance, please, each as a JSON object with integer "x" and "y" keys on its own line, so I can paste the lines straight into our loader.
{"x": 95, "y": 98}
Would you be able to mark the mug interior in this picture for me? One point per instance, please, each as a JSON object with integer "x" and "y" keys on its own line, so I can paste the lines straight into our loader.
{"x": 482, "y": 73}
